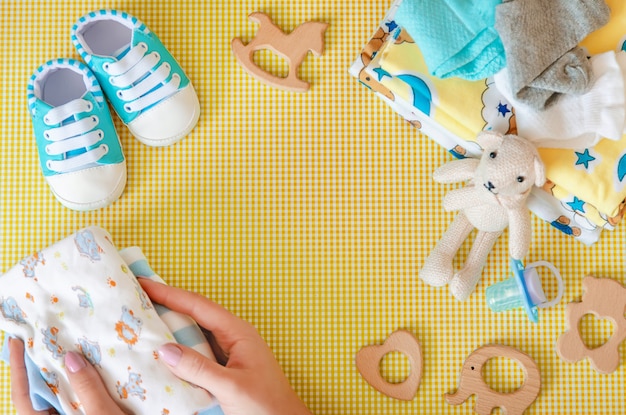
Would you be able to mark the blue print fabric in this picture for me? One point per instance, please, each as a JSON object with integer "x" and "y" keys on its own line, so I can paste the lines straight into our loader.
{"x": 79, "y": 294}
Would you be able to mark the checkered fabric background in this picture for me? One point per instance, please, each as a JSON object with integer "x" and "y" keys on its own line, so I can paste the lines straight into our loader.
{"x": 306, "y": 214}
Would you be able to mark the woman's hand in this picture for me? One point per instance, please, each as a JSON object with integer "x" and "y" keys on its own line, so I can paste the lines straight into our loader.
{"x": 19, "y": 380}
{"x": 252, "y": 382}
{"x": 83, "y": 378}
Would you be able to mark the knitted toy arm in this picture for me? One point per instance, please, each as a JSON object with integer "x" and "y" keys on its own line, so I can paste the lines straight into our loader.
{"x": 519, "y": 232}
{"x": 459, "y": 199}
{"x": 456, "y": 171}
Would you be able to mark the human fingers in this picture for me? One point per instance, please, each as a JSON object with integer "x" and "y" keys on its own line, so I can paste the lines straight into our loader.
{"x": 19, "y": 380}
{"x": 227, "y": 328}
{"x": 260, "y": 388}
{"x": 88, "y": 386}
{"x": 195, "y": 368}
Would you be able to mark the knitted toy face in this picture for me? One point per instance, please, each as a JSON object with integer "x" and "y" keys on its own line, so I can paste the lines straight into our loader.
{"x": 510, "y": 166}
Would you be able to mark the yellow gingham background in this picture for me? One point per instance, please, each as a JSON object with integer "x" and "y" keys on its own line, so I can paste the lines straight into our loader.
{"x": 306, "y": 214}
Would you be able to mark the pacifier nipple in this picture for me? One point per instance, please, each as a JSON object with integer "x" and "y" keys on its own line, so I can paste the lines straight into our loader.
{"x": 524, "y": 289}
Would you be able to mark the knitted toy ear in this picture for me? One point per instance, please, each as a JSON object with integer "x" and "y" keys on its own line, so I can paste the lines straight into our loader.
{"x": 489, "y": 139}
{"x": 540, "y": 172}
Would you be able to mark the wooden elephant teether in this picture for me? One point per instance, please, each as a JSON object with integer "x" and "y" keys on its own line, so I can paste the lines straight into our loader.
{"x": 293, "y": 47}
{"x": 368, "y": 364}
{"x": 472, "y": 382}
{"x": 604, "y": 298}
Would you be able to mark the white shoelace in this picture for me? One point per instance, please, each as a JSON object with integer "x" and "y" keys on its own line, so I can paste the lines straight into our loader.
{"x": 141, "y": 79}
{"x": 73, "y": 135}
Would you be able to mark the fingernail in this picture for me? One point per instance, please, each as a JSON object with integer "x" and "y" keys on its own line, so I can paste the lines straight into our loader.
{"x": 74, "y": 362}
{"x": 170, "y": 353}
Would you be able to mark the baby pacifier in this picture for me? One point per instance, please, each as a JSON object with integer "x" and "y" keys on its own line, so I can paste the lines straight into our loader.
{"x": 524, "y": 289}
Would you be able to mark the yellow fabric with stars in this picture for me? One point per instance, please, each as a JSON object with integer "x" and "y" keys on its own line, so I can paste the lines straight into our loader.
{"x": 306, "y": 214}
{"x": 462, "y": 107}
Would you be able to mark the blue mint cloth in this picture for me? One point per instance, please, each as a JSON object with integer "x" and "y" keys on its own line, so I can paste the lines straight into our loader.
{"x": 41, "y": 396}
{"x": 456, "y": 37}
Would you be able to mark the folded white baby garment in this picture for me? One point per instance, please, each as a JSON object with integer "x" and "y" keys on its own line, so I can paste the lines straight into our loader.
{"x": 576, "y": 121}
{"x": 81, "y": 295}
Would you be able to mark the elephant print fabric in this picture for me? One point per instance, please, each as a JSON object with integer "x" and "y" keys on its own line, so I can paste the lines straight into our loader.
{"x": 61, "y": 299}
{"x": 128, "y": 327}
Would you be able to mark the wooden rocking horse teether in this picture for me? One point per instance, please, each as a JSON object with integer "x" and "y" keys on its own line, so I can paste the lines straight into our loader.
{"x": 604, "y": 298}
{"x": 368, "y": 364}
{"x": 293, "y": 47}
{"x": 487, "y": 399}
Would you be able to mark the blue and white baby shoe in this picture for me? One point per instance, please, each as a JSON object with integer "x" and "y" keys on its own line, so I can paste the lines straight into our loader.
{"x": 79, "y": 151}
{"x": 145, "y": 85}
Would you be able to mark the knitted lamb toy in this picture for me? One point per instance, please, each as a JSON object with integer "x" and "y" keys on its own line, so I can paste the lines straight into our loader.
{"x": 495, "y": 197}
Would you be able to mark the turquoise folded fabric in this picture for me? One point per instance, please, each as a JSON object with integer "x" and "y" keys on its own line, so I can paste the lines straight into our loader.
{"x": 456, "y": 37}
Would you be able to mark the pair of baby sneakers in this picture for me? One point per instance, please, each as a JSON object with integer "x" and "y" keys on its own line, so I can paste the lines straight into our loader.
{"x": 79, "y": 150}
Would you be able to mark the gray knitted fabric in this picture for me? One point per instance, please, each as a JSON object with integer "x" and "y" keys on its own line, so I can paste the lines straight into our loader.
{"x": 541, "y": 40}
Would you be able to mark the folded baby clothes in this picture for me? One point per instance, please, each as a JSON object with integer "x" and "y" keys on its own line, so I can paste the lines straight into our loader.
{"x": 450, "y": 111}
{"x": 457, "y": 105}
{"x": 577, "y": 122}
{"x": 79, "y": 294}
{"x": 596, "y": 175}
{"x": 457, "y": 37}
{"x": 541, "y": 41}
{"x": 611, "y": 35}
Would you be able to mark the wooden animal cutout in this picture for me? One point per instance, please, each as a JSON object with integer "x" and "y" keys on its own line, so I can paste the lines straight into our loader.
{"x": 487, "y": 399}
{"x": 293, "y": 47}
{"x": 604, "y": 298}
{"x": 368, "y": 364}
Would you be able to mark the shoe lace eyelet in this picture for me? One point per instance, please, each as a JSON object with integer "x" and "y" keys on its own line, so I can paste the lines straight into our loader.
{"x": 95, "y": 119}
{"x": 105, "y": 148}
{"x": 47, "y": 150}
{"x": 46, "y": 120}
{"x": 143, "y": 45}
{"x": 127, "y": 108}
{"x": 120, "y": 94}
{"x": 49, "y": 164}
{"x": 156, "y": 55}
{"x": 112, "y": 80}
{"x": 106, "y": 66}
{"x": 46, "y": 135}
{"x": 89, "y": 106}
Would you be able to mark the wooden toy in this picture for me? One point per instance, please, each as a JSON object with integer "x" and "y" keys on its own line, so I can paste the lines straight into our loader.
{"x": 472, "y": 382}
{"x": 368, "y": 364}
{"x": 293, "y": 47}
{"x": 604, "y": 298}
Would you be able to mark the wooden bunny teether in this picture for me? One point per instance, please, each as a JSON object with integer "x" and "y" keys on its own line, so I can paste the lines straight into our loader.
{"x": 369, "y": 357}
{"x": 604, "y": 298}
{"x": 472, "y": 382}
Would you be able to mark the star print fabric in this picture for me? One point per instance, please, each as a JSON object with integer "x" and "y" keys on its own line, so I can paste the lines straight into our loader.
{"x": 595, "y": 176}
{"x": 80, "y": 295}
